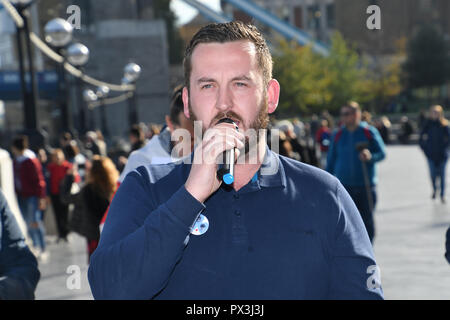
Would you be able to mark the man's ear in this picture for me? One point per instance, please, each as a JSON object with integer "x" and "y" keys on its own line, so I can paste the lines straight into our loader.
{"x": 273, "y": 95}
{"x": 185, "y": 97}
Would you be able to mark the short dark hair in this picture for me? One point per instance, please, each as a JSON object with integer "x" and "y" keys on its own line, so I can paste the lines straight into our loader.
{"x": 176, "y": 105}
{"x": 20, "y": 142}
{"x": 353, "y": 105}
{"x": 136, "y": 131}
{"x": 228, "y": 32}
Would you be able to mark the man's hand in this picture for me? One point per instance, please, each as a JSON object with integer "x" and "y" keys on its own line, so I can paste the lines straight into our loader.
{"x": 365, "y": 155}
{"x": 202, "y": 180}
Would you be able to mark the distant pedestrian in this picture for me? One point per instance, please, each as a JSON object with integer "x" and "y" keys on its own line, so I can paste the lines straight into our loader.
{"x": 91, "y": 144}
{"x": 366, "y": 116}
{"x": 31, "y": 191}
{"x": 434, "y": 141}
{"x": 136, "y": 137}
{"x": 422, "y": 120}
{"x": 299, "y": 128}
{"x": 323, "y": 136}
{"x": 76, "y": 158}
{"x": 354, "y": 150}
{"x": 406, "y": 130}
{"x": 93, "y": 199}
{"x": 314, "y": 125}
{"x": 101, "y": 143}
{"x": 154, "y": 129}
{"x": 384, "y": 126}
{"x": 58, "y": 169}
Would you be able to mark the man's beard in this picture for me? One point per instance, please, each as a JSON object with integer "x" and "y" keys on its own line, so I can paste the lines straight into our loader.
{"x": 260, "y": 122}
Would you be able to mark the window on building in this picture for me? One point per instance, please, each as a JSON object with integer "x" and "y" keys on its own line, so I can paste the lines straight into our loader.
{"x": 298, "y": 17}
{"x": 331, "y": 17}
{"x": 314, "y": 17}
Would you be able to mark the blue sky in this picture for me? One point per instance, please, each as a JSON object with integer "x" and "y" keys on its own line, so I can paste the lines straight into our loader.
{"x": 185, "y": 12}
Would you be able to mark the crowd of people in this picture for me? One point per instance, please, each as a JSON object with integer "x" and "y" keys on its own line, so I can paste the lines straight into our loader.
{"x": 82, "y": 174}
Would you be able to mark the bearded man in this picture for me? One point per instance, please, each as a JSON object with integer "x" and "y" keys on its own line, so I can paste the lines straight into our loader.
{"x": 281, "y": 230}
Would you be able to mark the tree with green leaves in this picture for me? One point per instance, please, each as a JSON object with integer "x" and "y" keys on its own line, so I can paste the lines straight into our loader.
{"x": 311, "y": 83}
{"x": 428, "y": 61}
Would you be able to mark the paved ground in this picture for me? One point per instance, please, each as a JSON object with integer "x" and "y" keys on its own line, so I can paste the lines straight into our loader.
{"x": 409, "y": 245}
{"x": 410, "y": 241}
{"x": 59, "y": 274}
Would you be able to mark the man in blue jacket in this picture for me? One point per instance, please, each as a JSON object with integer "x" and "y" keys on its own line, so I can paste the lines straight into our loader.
{"x": 19, "y": 273}
{"x": 355, "y": 149}
{"x": 281, "y": 230}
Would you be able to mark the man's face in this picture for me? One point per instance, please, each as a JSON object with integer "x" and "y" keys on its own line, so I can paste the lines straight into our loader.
{"x": 349, "y": 116}
{"x": 226, "y": 81}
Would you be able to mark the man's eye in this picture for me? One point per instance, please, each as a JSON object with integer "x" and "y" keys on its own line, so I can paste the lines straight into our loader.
{"x": 241, "y": 84}
{"x": 207, "y": 86}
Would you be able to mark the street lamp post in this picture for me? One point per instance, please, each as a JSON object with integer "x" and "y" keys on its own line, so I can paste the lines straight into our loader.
{"x": 90, "y": 96}
{"x": 102, "y": 93}
{"x": 28, "y": 95}
{"x": 78, "y": 55}
{"x": 58, "y": 33}
{"x": 132, "y": 71}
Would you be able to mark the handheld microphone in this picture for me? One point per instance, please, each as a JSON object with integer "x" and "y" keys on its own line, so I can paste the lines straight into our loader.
{"x": 226, "y": 171}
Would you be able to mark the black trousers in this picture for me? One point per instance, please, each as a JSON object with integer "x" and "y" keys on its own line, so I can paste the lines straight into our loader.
{"x": 61, "y": 211}
{"x": 361, "y": 199}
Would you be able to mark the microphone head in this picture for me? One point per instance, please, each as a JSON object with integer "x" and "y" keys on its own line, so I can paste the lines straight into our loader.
{"x": 228, "y": 178}
{"x": 228, "y": 120}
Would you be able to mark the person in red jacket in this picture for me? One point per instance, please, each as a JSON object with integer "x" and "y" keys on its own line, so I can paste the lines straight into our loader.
{"x": 323, "y": 136}
{"x": 57, "y": 169}
{"x": 30, "y": 188}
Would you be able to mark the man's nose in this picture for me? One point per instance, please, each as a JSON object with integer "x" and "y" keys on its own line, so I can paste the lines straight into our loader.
{"x": 224, "y": 100}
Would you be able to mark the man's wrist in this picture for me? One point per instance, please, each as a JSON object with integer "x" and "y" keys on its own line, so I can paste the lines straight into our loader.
{"x": 193, "y": 193}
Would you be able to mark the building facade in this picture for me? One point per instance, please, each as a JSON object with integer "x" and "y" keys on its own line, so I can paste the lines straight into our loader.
{"x": 116, "y": 33}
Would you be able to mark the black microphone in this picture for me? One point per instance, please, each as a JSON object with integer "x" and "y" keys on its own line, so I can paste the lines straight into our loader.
{"x": 226, "y": 171}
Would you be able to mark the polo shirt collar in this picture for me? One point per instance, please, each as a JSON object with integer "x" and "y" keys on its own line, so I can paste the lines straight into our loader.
{"x": 271, "y": 173}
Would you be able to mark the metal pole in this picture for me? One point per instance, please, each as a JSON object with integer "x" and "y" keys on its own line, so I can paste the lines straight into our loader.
{"x": 65, "y": 121}
{"x": 31, "y": 110}
{"x": 81, "y": 107}
{"x": 132, "y": 108}
{"x": 22, "y": 77}
{"x": 103, "y": 118}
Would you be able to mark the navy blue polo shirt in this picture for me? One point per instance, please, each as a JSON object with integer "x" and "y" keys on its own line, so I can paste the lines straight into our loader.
{"x": 292, "y": 232}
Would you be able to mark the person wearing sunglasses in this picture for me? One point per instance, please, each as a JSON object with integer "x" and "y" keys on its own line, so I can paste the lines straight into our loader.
{"x": 355, "y": 149}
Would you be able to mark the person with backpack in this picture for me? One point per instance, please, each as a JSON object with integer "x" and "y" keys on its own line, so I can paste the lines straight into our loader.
{"x": 355, "y": 149}
{"x": 92, "y": 200}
